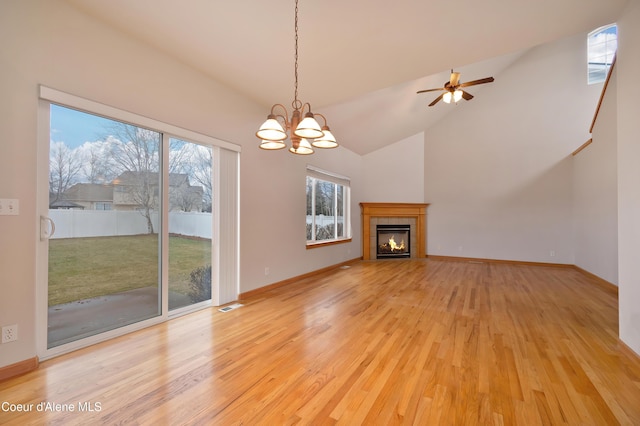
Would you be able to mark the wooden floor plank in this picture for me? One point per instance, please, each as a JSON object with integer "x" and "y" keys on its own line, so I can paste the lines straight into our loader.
{"x": 383, "y": 342}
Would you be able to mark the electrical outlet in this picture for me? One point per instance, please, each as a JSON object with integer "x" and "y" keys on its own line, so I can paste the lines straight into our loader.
{"x": 266, "y": 270}
{"x": 9, "y": 333}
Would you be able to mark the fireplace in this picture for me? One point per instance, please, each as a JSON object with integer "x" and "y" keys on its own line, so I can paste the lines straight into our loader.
{"x": 393, "y": 241}
{"x": 412, "y": 214}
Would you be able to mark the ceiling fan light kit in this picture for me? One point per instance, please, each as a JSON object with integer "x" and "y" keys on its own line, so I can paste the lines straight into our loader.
{"x": 455, "y": 96}
{"x": 453, "y": 89}
{"x": 300, "y": 129}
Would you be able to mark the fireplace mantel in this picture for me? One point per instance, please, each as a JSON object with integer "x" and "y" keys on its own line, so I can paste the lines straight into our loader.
{"x": 404, "y": 210}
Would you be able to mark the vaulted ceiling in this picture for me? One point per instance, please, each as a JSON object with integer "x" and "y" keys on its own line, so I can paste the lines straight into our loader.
{"x": 360, "y": 62}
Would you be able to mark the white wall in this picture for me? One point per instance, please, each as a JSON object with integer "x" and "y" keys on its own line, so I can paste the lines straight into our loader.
{"x": 277, "y": 238}
{"x": 395, "y": 173}
{"x": 628, "y": 70}
{"x": 49, "y": 42}
{"x": 595, "y": 191}
{"x": 497, "y": 169}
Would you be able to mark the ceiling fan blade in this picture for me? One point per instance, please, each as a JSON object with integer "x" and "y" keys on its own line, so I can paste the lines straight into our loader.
{"x": 466, "y": 95}
{"x": 435, "y": 101}
{"x": 454, "y": 79}
{"x": 474, "y": 82}
{"x": 430, "y": 90}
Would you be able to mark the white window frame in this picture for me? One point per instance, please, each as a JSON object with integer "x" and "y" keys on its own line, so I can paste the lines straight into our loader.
{"x": 337, "y": 180}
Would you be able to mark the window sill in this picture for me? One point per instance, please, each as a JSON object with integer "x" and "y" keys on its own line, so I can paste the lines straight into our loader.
{"x": 327, "y": 243}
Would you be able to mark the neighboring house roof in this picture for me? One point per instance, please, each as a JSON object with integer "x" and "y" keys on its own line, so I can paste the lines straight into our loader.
{"x": 182, "y": 194}
{"x": 64, "y": 204}
{"x": 133, "y": 178}
{"x": 89, "y": 192}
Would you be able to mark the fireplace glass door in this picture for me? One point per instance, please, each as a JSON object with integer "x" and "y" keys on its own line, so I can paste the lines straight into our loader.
{"x": 393, "y": 241}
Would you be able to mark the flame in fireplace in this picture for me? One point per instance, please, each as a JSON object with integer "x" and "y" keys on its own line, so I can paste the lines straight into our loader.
{"x": 394, "y": 246}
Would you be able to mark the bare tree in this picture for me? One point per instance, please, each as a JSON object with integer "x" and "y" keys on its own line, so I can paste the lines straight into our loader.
{"x": 195, "y": 161}
{"x": 179, "y": 153}
{"x": 187, "y": 198}
{"x": 136, "y": 152}
{"x": 135, "y": 149}
{"x": 200, "y": 171}
{"x": 64, "y": 167}
{"x": 325, "y": 192}
{"x": 98, "y": 167}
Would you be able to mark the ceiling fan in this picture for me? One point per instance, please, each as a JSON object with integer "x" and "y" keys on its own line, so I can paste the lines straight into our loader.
{"x": 453, "y": 89}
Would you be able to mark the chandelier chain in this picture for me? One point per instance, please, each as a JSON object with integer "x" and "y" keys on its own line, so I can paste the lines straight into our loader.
{"x": 295, "y": 95}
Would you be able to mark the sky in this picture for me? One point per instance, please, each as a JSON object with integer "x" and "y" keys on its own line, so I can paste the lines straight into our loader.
{"x": 603, "y": 44}
{"x": 87, "y": 139}
{"x": 75, "y": 128}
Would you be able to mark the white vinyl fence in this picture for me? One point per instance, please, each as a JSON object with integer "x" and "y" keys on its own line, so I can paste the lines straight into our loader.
{"x": 322, "y": 220}
{"x": 97, "y": 223}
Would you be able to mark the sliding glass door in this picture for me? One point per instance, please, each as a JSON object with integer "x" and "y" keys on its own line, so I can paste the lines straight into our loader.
{"x": 132, "y": 211}
{"x": 104, "y": 201}
{"x": 190, "y": 223}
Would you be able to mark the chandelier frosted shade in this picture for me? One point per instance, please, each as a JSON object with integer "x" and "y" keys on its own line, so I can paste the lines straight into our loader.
{"x": 308, "y": 128}
{"x": 272, "y": 145}
{"x": 327, "y": 140}
{"x": 271, "y": 130}
{"x": 303, "y": 148}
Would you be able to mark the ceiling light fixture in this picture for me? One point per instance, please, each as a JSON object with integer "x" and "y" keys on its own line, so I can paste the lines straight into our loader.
{"x": 301, "y": 128}
{"x": 454, "y": 96}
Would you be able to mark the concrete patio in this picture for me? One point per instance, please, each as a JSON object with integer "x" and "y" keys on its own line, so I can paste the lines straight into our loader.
{"x": 87, "y": 317}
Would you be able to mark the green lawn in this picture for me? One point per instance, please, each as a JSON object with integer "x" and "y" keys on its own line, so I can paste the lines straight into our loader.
{"x": 81, "y": 268}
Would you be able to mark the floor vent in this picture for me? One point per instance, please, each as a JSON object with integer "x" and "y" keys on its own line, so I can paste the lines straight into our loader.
{"x": 230, "y": 307}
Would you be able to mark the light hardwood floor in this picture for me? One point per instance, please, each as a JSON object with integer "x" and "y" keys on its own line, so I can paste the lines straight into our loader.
{"x": 383, "y": 342}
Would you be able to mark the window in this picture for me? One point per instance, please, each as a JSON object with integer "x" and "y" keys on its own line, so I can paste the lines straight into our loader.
{"x": 601, "y": 49}
{"x": 327, "y": 218}
{"x": 103, "y": 206}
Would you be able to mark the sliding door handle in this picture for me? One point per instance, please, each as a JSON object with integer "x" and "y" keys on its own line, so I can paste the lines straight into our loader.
{"x": 47, "y": 228}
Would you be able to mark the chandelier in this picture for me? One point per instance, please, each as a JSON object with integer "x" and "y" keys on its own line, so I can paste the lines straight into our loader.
{"x": 301, "y": 128}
